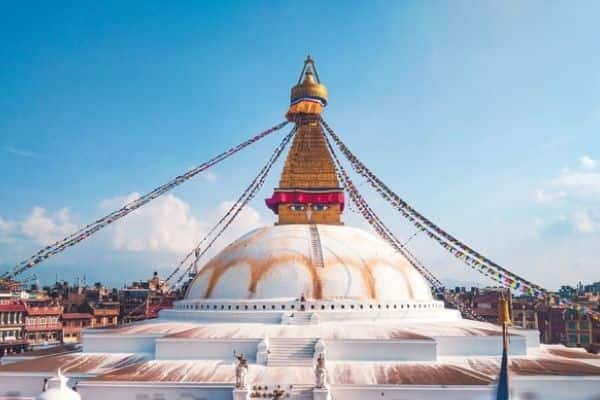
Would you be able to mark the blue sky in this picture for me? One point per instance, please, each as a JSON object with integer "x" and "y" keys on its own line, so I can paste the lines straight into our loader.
{"x": 484, "y": 116}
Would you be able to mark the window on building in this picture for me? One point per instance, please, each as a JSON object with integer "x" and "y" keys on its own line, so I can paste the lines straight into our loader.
{"x": 572, "y": 339}
{"x": 585, "y": 340}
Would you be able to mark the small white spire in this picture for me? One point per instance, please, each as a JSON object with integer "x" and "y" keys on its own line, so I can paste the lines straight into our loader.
{"x": 58, "y": 389}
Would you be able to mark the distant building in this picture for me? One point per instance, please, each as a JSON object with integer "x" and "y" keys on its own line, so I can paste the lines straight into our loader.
{"x": 551, "y": 324}
{"x": 596, "y": 333}
{"x": 485, "y": 305}
{"x": 144, "y": 299}
{"x": 567, "y": 292}
{"x": 42, "y": 322}
{"x": 104, "y": 313}
{"x": 12, "y": 323}
{"x": 593, "y": 288}
{"x": 578, "y": 328}
{"x": 72, "y": 325}
{"x": 524, "y": 313}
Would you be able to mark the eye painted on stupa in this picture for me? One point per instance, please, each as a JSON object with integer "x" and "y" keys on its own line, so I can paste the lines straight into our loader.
{"x": 297, "y": 207}
{"x": 320, "y": 207}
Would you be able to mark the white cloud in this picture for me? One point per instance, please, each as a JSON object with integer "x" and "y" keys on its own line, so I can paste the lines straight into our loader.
{"x": 579, "y": 192}
{"x": 577, "y": 184}
{"x": 167, "y": 225}
{"x": 46, "y": 229}
{"x": 584, "y": 222}
{"x": 248, "y": 219}
{"x": 5, "y": 226}
{"x": 164, "y": 225}
{"x": 588, "y": 162}
{"x": 20, "y": 152}
{"x": 209, "y": 177}
{"x": 543, "y": 196}
{"x": 582, "y": 184}
{"x": 6, "y": 229}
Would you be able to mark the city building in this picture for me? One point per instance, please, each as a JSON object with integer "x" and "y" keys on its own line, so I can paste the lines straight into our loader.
{"x": 12, "y": 324}
{"x": 551, "y": 321}
{"x": 73, "y": 324}
{"x": 42, "y": 322}
{"x": 310, "y": 308}
{"x": 144, "y": 299}
{"x": 104, "y": 313}
{"x": 485, "y": 305}
{"x": 525, "y": 312}
{"x": 578, "y": 328}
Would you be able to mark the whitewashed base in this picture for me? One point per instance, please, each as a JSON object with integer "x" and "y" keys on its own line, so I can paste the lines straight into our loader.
{"x": 321, "y": 394}
{"x": 241, "y": 394}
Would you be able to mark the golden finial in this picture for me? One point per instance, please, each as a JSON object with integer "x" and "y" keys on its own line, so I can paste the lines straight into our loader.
{"x": 309, "y": 95}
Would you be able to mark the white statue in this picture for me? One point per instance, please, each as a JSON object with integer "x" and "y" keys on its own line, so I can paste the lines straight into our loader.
{"x": 321, "y": 372}
{"x": 278, "y": 393}
{"x": 241, "y": 370}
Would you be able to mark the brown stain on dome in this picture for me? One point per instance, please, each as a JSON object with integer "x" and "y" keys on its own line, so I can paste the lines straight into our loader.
{"x": 260, "y": 270}
{"x": 260, "y": 266}
{"x": 571, "y": 353}
{"x": 537, "y": 366}
{"x": 407, "y": 335}
{"x": 427, "y": 374}
{"x": 255, "y": 237}
{"x": 72, "y": 363}
{"x": 406, "y": 373}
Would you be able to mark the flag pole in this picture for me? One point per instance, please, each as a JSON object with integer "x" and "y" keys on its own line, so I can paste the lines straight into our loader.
{"x": 504, "y": 317}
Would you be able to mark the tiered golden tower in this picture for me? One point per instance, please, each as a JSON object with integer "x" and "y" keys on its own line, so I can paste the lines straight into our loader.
{"x": 309, "y": 191}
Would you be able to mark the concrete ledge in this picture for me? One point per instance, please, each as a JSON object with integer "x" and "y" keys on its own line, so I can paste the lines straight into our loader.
{"x": 203, "y": 349}
{"x": 380, "y": 350}
{"x": 466, "y": 346}
{"x": 114, "y": 343}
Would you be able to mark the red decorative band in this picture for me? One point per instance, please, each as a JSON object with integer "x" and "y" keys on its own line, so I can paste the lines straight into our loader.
{"x": 296, "y": 197}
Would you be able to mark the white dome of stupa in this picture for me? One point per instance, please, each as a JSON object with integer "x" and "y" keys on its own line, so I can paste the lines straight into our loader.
{"x": 57, "y": 389}
{"x": 285, "y": 261}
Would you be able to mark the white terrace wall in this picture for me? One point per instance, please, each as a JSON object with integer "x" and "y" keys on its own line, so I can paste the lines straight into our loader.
{"x": 378, "y": 350}
{"x": 466, "y": 346}
{"x": 556, "y": 387}
{"x": 409, "y": 392}
{"x": 204, "y": 349}
{"x": 112, "y": 343}
{"x": 153, "y": 391}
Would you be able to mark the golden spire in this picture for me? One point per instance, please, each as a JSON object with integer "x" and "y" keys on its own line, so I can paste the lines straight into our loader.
{"x": 308, "y": 164}
{"x": 309, "y": 96}
{"x": 309, "y": 191}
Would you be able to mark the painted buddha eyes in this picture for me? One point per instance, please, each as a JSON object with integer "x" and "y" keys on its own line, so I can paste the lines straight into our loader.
{"x": 315, "y": 207}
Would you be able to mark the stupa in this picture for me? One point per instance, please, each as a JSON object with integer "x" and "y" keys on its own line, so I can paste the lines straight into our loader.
{"x": 309, "y": 308}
